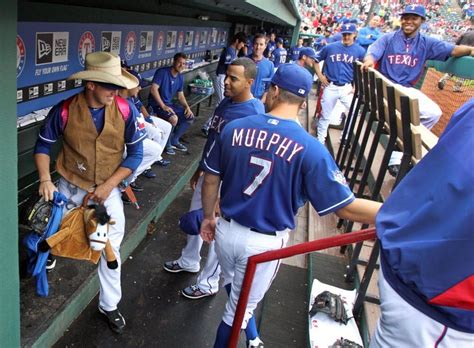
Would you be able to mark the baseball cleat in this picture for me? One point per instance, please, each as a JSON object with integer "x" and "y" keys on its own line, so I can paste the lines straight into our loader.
{"x": 174, "y": 267}
{"x": 115, "y": 319}
{"x": 50, "y": 263}
{"x": 179, "y": 147}
{"x": 193, "y": 292}
{"x": 255, "y": 343}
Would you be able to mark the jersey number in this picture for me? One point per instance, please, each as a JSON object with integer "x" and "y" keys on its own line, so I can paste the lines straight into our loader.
{"x": 266, "y": 168}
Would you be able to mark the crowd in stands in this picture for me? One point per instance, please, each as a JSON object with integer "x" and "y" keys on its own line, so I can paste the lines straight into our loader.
{"x": 444, "y": 20}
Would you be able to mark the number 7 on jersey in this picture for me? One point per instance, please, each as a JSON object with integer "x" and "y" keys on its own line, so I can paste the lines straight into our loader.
{"x": 260, "y": 177}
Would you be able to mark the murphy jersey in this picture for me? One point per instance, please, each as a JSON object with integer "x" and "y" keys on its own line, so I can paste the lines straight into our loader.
{"x": 228, "y": 55}
{"x": 269, "y": 168}
{"x": 338, "y": 60}
{"x": 227, "y": 111}
{"x": 425, "y": 229}
{"x": 402, "y": 59}
{"x": 279, "y": 56}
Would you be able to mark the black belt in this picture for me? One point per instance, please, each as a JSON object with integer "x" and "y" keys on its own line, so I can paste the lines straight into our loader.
{"x": 338, "y": 84}
{"x": 251, "y": 228}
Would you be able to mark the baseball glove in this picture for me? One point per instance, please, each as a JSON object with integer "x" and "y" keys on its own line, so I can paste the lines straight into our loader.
{"x": 345, "y": 343}
{"x": 332, "y": 305}
{"x": 36, "y": 213}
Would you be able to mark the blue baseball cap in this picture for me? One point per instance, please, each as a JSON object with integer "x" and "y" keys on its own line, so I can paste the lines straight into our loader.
{"x": 418, "y": 10}
{"x": 190, "y": 222}
{"x": 294, "y": 79}
{"x": 348, "y": 29}
{"x": 308, "y": 52}
{"x": 279, "y": 40}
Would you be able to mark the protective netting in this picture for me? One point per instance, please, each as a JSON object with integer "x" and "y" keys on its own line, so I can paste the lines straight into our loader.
{"x": 455, "y": 93}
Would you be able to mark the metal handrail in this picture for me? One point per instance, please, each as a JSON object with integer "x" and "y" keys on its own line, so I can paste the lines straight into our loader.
{"x": 299, "y": 249}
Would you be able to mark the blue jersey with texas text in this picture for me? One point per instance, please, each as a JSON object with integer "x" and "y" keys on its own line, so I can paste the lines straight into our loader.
{"x": 295, "y": 53}
{"x": 227, "y": 111}
{"x": 269, "y": 168}
{"x": 402, "y": 59}
{"x": 338, "y": 60}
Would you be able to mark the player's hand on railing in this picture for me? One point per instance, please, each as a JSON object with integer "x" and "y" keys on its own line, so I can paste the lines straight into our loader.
{"x": 46, "y": 189}
{"x": 208, "y": 229}
{"x": 368, "y": 63}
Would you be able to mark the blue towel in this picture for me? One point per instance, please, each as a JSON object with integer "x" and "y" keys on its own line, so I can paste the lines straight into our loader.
{"x": 37, "y": 259}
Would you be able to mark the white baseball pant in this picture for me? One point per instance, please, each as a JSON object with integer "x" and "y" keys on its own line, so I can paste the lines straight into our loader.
{"x": 219, "y": 93}
{"x": 110, "y": 287}
{"x": 402, "y": 325}
{"x": 159, "y": 132}
{"x": 234, "y": 245}
{"x": 331, "y": 95}
{"x": 151, "y": 153}
{"x": 208, "y": 279}
{"x": 219, "y": 87}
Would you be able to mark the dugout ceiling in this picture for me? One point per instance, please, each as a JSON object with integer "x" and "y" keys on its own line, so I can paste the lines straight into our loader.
{"x": 278, "y": 12}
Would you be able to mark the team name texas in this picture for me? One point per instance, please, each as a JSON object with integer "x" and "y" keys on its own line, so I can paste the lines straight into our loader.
{"x": 345, "y": 58}
{"x": 402, "y": 59}
{"x": 263, "y": 140}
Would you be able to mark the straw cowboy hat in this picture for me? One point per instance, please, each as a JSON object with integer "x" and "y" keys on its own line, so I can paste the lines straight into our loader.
{"x": 105, "y": 67}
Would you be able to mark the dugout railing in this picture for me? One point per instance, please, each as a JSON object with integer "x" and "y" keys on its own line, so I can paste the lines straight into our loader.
{"x": 299, "y": 249}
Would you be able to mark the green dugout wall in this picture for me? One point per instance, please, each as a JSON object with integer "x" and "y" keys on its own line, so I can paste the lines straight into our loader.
{"x": 9, "y": 278}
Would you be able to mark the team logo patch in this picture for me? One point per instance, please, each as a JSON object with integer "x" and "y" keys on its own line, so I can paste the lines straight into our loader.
{"x": 130, "y": 44}
{"x": 86, "y": 45}
{"x": 339, "y": 177}
{"x": 20, "y": 55}
{"x": 301, "y": 91}
{"x": 273, "y": 121}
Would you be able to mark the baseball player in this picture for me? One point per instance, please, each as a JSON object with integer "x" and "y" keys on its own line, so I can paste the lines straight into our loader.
{"x": 228, "y": 55}
{"x": 264, "y": 68}
{"x": 427, "y": 279}
{"x": 168, "y": 82}
{"x": 368, "y": 35}
{"x": 238, "y": 103}
{"x": 295, "y": 51}
{"x": 401, "y": 56}
{"x": 271, "y": 45}
{"x": 156, "y": 140}
{"x": 95, "y": 125}
{"x": 307, "y": 58}
{"x": 338, "y": 75}
{"x": 279, "y": 54}
{"x": 157, "y": 129}
{"x": 266, "y": 165}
